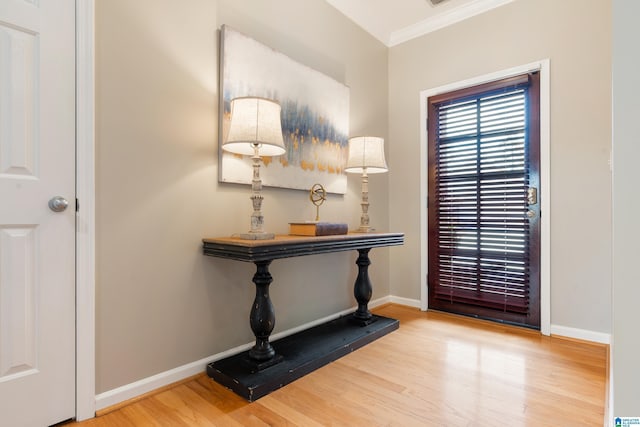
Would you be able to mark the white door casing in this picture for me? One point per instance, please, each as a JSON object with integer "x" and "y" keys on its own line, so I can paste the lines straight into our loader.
{"x": 37, "y": 245}
{"x": 85, "y": 215}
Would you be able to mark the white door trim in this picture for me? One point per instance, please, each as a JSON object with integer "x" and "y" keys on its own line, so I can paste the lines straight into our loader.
{"x": 85, "y": 217}
{"x": 545, "y": 176}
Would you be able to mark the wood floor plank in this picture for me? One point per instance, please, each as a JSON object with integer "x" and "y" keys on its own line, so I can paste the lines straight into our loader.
{"x": 191, "y": 408}
{"x": 437, "y": 369}
{"x": 293, "y": 415}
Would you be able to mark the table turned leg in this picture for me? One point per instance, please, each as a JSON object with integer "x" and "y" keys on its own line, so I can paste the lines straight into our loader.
{"x": 362, "y": 289}
{"x": 262, "y": 317}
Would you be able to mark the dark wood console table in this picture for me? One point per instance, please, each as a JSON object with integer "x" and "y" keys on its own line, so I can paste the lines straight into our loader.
{"x": 264, "y": 368}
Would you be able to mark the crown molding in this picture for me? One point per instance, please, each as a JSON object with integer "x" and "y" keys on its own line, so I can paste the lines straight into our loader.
{"x": 443, "y": 20}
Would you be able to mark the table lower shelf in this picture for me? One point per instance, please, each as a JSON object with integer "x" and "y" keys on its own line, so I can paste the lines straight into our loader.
{"x": 301, "y": 354}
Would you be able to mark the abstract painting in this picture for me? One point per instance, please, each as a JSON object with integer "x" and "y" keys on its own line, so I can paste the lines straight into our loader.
{"x": 315, "y": 116}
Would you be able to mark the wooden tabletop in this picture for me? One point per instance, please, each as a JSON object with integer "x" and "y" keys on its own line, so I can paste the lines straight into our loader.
{"x": 286, "y": 246}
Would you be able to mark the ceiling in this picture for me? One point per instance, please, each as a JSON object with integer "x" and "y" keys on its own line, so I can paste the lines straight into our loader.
{"x": 396, "y": 21}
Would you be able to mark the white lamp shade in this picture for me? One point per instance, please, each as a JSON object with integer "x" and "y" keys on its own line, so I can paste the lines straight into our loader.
{"x": 255, "y": 121}
{"x": 366, "y": 152}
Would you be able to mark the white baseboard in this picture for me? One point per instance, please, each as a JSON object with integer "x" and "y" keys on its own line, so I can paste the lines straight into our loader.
{"x": 581, "y": 334}
{"x": 415, "y": 303}
{"x": 145, "y": 385}
{"x": 565, "y": 331}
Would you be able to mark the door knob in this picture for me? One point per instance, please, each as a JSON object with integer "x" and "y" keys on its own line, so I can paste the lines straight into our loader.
{"x": 58, "y": 204}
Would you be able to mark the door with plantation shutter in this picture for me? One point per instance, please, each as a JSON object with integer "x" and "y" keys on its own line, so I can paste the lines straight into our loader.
{"x": 484, "y": 201}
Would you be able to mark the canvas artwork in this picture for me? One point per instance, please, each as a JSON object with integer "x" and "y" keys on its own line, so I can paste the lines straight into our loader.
{"x": 315, "y": 116}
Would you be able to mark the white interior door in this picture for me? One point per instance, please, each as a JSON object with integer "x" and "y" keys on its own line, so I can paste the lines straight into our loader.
{"x": 37, "y": 245}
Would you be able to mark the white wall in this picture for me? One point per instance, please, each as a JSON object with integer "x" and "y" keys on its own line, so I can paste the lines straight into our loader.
{"x": 626, "y": 205}
{"x": 575, "y": 35}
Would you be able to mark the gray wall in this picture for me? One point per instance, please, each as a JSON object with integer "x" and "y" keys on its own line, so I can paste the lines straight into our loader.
{"x": 626, "y": 205}
{"x": 160, "y": 303}
{"x": 576, "y": 36}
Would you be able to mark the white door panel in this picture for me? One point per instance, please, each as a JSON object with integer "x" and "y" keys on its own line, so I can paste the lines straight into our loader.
{"x": 17, "y": 303}
{"x": 37, "y": 246}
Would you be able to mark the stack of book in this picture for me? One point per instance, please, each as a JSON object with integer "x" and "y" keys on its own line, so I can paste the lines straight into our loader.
{"x": 317, "y": 228}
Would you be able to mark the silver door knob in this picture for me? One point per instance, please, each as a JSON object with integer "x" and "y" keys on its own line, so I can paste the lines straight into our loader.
{"x": 58, "y": 204}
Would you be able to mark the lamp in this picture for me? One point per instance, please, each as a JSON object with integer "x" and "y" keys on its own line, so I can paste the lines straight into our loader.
{"x": 255, "y": 130}
{"x": 366, "y": 155}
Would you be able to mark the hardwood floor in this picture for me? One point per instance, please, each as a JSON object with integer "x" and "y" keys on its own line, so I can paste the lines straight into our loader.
{"x": 436, "y": 370}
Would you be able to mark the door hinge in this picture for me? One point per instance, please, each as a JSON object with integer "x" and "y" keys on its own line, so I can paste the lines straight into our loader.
{"x": 77, "y": 205}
